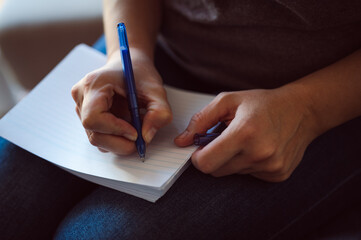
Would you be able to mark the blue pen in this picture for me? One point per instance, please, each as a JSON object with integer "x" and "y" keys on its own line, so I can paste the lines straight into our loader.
{"x": 202, "y": 139}
{"x": 130, "y": 88}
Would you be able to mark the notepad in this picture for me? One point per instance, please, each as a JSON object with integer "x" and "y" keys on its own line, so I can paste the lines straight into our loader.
{"x": 45, "y": 123}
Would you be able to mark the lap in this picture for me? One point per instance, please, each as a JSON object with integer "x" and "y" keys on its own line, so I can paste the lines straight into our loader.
{"x": 199, "y": 206}
{"x": 34, "y": 194}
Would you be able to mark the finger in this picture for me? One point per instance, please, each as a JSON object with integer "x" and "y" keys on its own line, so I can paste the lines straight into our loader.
{"x": 218, "y": 110}
{"x": 238, "y": 164}
{"x": 155, "y": 119}
{"x": 77, "y": 91}
{"x": 157, "y": 113}
{"x": 95, "y": 116}
{"x": 77, "y": 94}
{"x": 271, "y": 177}
{"x": 280, "y": 168}
{"x": 106, "y": 123}
{"x": 220, "y": 151}
{"x": 77, "y": 110}
{"x": 111, "y": 143}
{"x": 102, "y": 150}
{"x": 273, "y": 170}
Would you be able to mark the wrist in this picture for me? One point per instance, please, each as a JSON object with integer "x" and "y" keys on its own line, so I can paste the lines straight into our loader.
{"x": 301, "y": 104}
{"x": 143, "y": 67}
{"x": 333, "y": 92}
{"x": 138, "y": 56}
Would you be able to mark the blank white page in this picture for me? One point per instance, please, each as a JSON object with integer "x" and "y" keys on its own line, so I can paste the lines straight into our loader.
{"x": 45, "y": 123}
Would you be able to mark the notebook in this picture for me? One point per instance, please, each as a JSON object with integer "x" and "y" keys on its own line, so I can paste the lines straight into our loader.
{"x": 45, "y": 123}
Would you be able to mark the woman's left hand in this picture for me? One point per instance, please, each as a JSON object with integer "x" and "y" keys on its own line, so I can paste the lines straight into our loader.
{"x": 268, "y": 132}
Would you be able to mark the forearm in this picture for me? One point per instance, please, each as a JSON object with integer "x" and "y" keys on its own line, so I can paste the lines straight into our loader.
{"x": 142, "y": 19}
{"x": 333, "y": 94}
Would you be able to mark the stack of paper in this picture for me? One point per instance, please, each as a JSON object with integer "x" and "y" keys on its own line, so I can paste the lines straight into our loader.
{"x": 45, "y": 123}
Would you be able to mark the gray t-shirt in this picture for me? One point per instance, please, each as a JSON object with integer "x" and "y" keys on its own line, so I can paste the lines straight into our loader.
{"x": 243, "y": 44}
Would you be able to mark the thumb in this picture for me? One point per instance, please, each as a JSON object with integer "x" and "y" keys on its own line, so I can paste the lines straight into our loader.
{"x": 154, "y": 119}
{"x": 209, "y": 116}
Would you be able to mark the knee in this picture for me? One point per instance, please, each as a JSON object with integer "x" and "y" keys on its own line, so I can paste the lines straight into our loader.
{"x": 101, "y": 216}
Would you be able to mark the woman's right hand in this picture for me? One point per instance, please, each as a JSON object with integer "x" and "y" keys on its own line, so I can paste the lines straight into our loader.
{"x": 103, "y": 109}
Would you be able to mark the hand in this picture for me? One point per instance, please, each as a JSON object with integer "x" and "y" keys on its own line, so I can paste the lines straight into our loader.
{"x": 267, "y": 134}
{"x": 103, "y": 110}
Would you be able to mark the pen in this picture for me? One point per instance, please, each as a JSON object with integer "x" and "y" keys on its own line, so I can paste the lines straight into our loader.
{"x": 130, "y": 88}
{"x": 202, "y": 139}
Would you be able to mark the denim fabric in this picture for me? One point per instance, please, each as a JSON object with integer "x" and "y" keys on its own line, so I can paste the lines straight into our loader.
{"x": 345, "y": 226}
{"x": 35, "y": 197}
{"x": 34, "y": 194}
{"x": 199, "y": 206}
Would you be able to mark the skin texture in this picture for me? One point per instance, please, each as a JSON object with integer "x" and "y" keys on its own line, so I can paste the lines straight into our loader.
{"x": 260, "y": 139}
{"x": 97, "y": 94}
{"x": 268, "y": 130}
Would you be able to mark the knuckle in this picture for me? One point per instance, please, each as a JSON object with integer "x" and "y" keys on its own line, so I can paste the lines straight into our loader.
{"x": 88, "y": 123}
{"x": 249, "y": 130}
{"x": 266, "y": 152}
{"x": 102, "y": 150}
{"x": 205, "y": 166}
{"x": 280, "y": 178}
{"x": 222, "y": 96}
{"x": 125, "y": 149}
{"x": 246, "y": 133}
{"x": 128, "y": 150}
{"x": 89, "y": 78}
{"x": 275, "y": 167}
{"x": 197, "y": 118}
{"x": 161, "y": 92}
{"x": 108, "y": 89}
{"x": 166, "y": 116}
{"x": 93, "y": 139}
{"x": 284, "y": 177}
{"x": 77, "y": 110}
{"x": 75, "y": 92}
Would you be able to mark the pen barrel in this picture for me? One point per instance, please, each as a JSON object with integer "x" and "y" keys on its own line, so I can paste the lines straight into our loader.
{"x": 132, "y": 101}
{"x": 130, "y": 88}
{"x": 129, "y": 84}
{"x": 137, "y": 124}
{"x": 204, "y": 139}
{"x": 134, "y": 112}
{"x": 128, "y": 74}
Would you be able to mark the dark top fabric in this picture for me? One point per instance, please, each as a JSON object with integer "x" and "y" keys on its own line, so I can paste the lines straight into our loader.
{"x": 244, "y": 44}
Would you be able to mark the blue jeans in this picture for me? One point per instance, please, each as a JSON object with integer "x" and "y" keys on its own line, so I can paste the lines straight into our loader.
{"x": 40, "y": 201}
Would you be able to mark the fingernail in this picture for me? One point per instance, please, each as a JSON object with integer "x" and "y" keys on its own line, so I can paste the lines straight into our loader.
{"x": 131, "y": 137}
{"x": 150, "y": 135}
